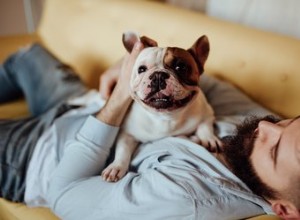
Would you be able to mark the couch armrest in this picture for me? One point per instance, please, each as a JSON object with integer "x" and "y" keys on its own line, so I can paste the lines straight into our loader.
{"x": 10, "y": 44}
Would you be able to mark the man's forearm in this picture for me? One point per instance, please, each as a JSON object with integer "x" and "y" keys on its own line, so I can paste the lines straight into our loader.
{"x": 115, "y": 109}
{"x": 83, "y": 157}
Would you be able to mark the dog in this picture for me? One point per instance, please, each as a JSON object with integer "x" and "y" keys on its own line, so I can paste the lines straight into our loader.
{"x": 167, "y": 100}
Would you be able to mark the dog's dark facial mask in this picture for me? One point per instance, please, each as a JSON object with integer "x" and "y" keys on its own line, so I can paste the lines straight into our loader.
{"x": 166, "y": 79}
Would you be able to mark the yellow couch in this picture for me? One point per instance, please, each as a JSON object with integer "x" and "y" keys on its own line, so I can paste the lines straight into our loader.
{"x": 87, "y": 35}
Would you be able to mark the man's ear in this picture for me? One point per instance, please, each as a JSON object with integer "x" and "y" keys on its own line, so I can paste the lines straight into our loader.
{"x": 285, "y": 209}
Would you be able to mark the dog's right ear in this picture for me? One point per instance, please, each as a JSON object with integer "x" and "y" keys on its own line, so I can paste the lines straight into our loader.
{"x": 130, "y": 38}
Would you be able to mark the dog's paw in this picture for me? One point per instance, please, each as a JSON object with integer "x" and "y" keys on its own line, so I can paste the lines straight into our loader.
{"x": 211, "y": 142}
{"x": 114, "y": 172}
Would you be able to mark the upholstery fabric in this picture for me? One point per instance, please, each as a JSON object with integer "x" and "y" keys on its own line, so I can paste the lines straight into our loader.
{"x": 87, "y": 35}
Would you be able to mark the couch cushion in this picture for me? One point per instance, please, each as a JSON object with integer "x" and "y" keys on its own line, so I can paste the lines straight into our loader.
{"x": 17, "y": 211}
{"x": 87, "y": 34}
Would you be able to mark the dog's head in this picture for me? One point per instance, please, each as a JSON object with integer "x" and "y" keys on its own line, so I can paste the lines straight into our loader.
{"x": 166, "y": 79}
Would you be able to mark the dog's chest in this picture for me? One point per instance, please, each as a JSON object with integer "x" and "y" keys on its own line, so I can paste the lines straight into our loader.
{"x": 145, "y": 126}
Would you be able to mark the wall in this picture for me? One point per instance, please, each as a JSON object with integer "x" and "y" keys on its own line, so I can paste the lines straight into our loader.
{"x": 19, "y": 16}
{"x": 280, "y": 16}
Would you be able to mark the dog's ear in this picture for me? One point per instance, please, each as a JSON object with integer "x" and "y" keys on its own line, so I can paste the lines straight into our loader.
{"x": 130, "y": 38}
{"x": 148, "y": 42}
{"x": 200, "y": 51}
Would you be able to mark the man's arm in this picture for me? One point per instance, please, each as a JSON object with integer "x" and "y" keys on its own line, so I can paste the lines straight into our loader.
{"x": 86, "y": 155}
{"x": 116, "y": 107}
{"x": 109, "y": 78}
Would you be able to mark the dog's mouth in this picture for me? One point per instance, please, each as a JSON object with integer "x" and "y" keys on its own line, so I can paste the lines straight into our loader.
{"x": 161, "y": 101}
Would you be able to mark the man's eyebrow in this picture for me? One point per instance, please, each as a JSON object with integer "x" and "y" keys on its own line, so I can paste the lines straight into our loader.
{"x": 279, "y": 140}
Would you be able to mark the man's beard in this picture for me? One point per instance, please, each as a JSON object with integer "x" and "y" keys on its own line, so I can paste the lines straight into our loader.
{"x": 237, "y": 152}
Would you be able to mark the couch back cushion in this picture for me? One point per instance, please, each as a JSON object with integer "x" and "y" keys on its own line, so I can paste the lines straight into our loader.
{"x": 87, "y": 35}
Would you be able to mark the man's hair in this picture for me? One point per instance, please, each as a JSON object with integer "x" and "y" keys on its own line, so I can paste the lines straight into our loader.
{"x": 238, "y": 149}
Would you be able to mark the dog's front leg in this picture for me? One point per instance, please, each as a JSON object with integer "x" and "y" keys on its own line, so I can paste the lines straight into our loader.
{"x": 206, "y": 137}
{"x": 125, "y": 147}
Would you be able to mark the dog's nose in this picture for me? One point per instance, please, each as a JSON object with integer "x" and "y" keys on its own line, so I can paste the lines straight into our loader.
{"x": 158, "y": 80}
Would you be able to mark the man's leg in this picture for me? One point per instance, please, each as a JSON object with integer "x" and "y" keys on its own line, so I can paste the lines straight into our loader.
{"x": 18, "y": 139}
{"x": 9, "y": 89}
{"x": 44, "y": 80}
{"x": 46, "y": 84}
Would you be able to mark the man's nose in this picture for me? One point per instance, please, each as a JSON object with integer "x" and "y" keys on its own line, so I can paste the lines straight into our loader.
{"x": 269, "y": 133}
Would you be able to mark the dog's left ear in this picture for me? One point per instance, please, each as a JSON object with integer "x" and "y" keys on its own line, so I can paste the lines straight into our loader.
{"x": 130, "y": 38}
{"x": 200, "y": 51}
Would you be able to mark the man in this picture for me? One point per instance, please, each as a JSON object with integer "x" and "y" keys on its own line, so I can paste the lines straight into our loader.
{"x": 54, "y": 158}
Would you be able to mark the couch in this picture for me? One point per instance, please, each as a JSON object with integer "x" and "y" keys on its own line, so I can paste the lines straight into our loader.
{"x": 87, "y": 34}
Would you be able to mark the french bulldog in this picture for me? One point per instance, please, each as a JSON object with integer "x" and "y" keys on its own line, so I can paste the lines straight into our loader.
{"x": 167, "y": 100}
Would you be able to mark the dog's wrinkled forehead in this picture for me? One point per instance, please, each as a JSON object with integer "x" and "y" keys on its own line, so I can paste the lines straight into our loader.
{"x": 171, "y": 59}
{"x": 152, "y": 56}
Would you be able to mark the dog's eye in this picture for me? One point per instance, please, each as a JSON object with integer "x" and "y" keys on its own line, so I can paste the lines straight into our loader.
{"x": 181, "y": 67}
{"x": 142, "y": 69}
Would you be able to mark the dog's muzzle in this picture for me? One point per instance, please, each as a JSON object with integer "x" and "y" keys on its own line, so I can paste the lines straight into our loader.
{"x": 158, "y": 99}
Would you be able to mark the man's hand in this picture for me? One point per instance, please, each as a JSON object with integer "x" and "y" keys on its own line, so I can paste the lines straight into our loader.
{"x": 109, "y": 78}
{"x": 116, "y": 107}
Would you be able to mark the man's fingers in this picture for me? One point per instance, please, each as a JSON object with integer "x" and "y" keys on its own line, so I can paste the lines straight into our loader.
{"x": 107, "y": 82}
{"x": 109, "y": 78}
{"x": 119, "y": 77}
{"x": 106, "y": 87}
{"x": 138, "y": 46}
{"x": 129, "y": 59}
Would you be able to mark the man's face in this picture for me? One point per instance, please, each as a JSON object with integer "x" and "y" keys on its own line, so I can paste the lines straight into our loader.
{"x": 265, "y": 154}
{"x": 276, "y": 153}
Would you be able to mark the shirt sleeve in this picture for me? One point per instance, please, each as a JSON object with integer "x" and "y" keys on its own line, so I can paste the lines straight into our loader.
{"x": 76, "y": 190}
{"x": 84, "y": 157}
{"x": 136, "y": 196}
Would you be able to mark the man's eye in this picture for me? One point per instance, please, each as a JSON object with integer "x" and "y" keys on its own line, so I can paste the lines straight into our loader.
{"x": 142, "y": 69}
{"x": 272, "y": 152}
